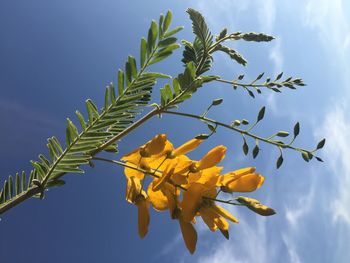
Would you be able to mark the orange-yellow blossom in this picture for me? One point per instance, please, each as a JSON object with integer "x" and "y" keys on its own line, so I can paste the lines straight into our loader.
{"x": 137, "y": 196}
{"x": 212, "y": 158}
{"x": 242, "y": 180}
{"x": 151, "y": 150}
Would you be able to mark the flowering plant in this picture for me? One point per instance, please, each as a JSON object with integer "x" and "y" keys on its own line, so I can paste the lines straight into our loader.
{"x": 187, "y": 188}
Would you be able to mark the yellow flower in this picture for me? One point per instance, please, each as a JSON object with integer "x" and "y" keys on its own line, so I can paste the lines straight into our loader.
{"x": 152, "y": 149}
{"x": 189, "y": 234}
{"x": 186, "y": 147}
{"x": 256, "y": 206}
{"x": 212, "y": 158}
{"x": 143, "y": 215}
{"x": 137, "y": 196}
{"x": 242, "y": 180}
{"x": 165, "y": 176}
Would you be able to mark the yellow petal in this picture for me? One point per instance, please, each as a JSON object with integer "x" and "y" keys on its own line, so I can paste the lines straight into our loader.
{"x": 192, "y": 199}
{"x": 172, "y": 201}
{"x": 179, "y": 179}
{"x": 133, "y": 157}
{"x": 189, "y": 234}
{"x": 222, "y": 223}
{"x": 158, "y": 200}
{"x": 187, "y": 147}
{"x": 210, "y": 176}
{"x": 208, "y": 218}
{"x": 256, "y": 206}
{"x": 183, "y": 164}
{"x": 169, "y": 170}
{"x": 224, "y": 179}
{"x": 224, "y": 213}
{"x": 245, "y": 183}
{"x": 133, "y": 188}
{"x": 143, "y": 216}
{"x": 212, "y": 158}
{"x": 156, "y": 145}
{"x": 129, "y": 172}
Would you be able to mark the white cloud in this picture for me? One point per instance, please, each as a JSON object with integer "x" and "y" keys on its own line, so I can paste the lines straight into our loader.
{"x": 300, "y": 208}
{"x": 292, "y": 251}
{"x": 252, "y": 247}
{"x": 336, "y": 128}
{"x": 328, "y": 17}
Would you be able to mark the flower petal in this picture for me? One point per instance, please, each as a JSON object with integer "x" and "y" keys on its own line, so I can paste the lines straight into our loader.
{"x": 156, "y": 145}
{"x": 158, "y": 200}
{"x": 143, "y": 216}
{"x": 169, "y": 170}
{"x": 245, "y": 183}
{"x": 187, "y": 147}
{"x": 189, "y": 234}
{"x": 129, "y": 172}
{"x": 208, "y": 218}
{"x": 212, "y": 158}
{"x": 224, "y": 213}
{"x": 133, "y": 188}
{"x": 192, "y": 199}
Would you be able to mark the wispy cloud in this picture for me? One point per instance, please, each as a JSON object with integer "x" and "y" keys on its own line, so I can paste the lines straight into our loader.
{"x": 336, "y": 128}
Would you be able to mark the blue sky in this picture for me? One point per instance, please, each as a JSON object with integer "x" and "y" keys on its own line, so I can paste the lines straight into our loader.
{"x": 55, "y": 55}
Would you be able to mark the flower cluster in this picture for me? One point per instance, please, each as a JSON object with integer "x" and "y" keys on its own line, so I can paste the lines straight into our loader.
{"x": 185, "y": 187}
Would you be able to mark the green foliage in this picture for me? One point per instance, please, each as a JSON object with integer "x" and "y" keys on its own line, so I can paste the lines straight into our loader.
{"x": 97, "y": 132}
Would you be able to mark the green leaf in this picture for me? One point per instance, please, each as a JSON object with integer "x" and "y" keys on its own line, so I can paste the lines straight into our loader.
{"x": 112, "y": 94}
{"x": 279, "y": 76}
{"x": 233, "y": 54}
{"x": 217, "y": 102}
{"x": 211, "y": 127}
{"x": 222, "y": 34}
{"x": 173, "y": 32}
{"x": 245, "y": 122}
{"x": 168, "y": 91}
{"x": 152, "y": 37}
{"x": 128, "y": 73}
{"x": 81, "y": 120}
{"x": 17, "y": 184}
{"x": 225, "y": 233}
{"x": 133, "y": 67}
{"x": 305, "y": 156}
{"x": 23, "y": 181}
{"x": 92, "y": 110}
{"x": 256, "y": 37}
{"x": 106, "y": 104}
{"x": 163, "y": 97}
{"x": 282, "y": 134}
{"x": 296, "y": 129}
{"x": 157, "y": 75}
{"x": 318, "y": 159}
{"x": 167, "y": 21}
{"x": 255, "y": 151}
{"x": 120, "y": 82}
{"x": 176, "y": 86}
{"x": 202, "y": 136}
{"x": 200, "y": 28}
{"x": 279, "y": 161}
{"x": 245, "y": 147}
{"x": 260, "y": 76}
{"x": 167, "y": 41}
{"x": 143, "y": 52}
{"x": 261, "y": 114}
{"x": 321, "y": 144}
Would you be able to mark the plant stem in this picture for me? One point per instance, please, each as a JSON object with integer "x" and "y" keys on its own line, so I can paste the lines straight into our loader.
{"x": 243, "y": 132}
{"x": 154, "y": 175}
